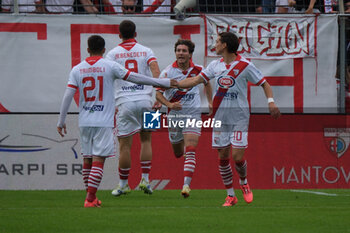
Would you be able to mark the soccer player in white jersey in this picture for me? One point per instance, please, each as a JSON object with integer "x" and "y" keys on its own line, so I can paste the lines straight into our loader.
{"x": 183, "y": 105}
{"x": 132, "y": 101}
{"x": 94, "y": 78}
{"x": 230, "y": 105}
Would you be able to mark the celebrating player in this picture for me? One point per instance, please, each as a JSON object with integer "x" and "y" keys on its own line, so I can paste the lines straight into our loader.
{"x": 94, "y": 78}
{"x": 230, "y": 105}
{"x": 184, "y": 105}
{"x": 132, "y": 101}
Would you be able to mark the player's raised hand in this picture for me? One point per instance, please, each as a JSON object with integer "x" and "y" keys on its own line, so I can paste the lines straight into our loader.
{"x": 210, "y": 106}
{"x": 175, "y": 106}
{"x": 274, "y": 111}
{"x": 173, "y": 83}
{"x": 62, "y": 130}
{"x": 157, "y": 105}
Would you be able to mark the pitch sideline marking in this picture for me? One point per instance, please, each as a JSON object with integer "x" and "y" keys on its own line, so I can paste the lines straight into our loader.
{"x": 314, "y": 192}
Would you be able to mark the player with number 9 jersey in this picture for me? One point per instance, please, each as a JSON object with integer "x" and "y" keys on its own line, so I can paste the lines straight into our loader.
{"x": 132, "y": 101}
{"x": 137, "y": 58}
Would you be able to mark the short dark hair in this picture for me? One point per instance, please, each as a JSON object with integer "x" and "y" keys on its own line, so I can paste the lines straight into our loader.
{"x": 231, "y": 41}
{"x": 96, "y": 44}
{"x": 127, "y": 29}
{"x": 188, "y": 43}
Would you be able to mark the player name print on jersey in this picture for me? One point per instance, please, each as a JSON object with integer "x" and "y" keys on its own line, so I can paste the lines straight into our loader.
{"x": 92, "y": 70}
{"x": 130, "y": 55}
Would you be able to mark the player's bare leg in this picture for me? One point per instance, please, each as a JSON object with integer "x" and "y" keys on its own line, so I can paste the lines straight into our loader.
{"x": 227, "y": 175}
{"x": 146, "y": 161}
{"x": 124, "y": 166}
{"x": 178, "y": 149}
{"x": 94, "y": 181}
{"x": 125, "y": 144}
{"x": 241, "y": 168}
{"x": 146, "y": 146}
{"x": 191, "y": 142}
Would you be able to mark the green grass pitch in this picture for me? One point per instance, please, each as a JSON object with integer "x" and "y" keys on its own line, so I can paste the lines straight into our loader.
{"x": 282, "y": 211}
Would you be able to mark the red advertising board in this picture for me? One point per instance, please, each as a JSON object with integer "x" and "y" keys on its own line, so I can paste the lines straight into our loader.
{"x": 295, "y": 151}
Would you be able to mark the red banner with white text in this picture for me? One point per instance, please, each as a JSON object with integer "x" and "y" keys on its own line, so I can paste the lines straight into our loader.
{"x": 295, "y": 151}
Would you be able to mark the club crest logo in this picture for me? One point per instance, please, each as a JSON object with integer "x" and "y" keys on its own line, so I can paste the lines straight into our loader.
{"x": 337, "y": 140}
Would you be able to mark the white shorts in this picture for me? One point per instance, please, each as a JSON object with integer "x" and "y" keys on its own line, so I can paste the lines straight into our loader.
{"x": 236, "y": 135}
{"x": 176, "y": 134}
{"x": 96, "y": 141}
{"x": 130, "y": 117}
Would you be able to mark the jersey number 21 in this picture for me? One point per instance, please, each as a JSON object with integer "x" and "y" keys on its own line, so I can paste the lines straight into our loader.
{"x": 91, "y": 87}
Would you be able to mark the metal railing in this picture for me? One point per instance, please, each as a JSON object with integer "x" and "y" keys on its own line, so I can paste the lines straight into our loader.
{"x": 202, "y": 6}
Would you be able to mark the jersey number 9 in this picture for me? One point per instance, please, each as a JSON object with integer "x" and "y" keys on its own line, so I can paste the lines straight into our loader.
{"x": 131, "y": 65}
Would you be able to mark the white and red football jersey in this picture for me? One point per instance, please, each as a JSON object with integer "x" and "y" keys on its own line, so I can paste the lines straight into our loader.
{"x": 136, "y": 58}
{"x": 189, "y": 98}
{"x": 95, "y": 77}
{"x": 230, "y": 103}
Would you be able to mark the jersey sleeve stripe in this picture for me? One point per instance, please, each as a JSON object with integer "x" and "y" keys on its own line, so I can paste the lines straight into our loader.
{"x": 206, "y": 79}
{"x": 161, "y": 90}
{"x": 72, "y": 86}
{"x": 261, "y": 81}
{"x": 151, "y": 60}
{"x": 127, "y": 75}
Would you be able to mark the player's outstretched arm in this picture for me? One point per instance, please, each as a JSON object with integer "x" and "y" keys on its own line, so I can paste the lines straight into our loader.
{"x": 209, "y": 95}
{"x": 67, "y": 99}
{"x": 190, "y": 82}
{"x": 160, "y": 98}
{"x": 157, "y": 82}
{"x": 274, "y": 111}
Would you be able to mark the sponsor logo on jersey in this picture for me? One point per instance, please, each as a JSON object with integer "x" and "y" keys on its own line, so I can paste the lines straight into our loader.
{"x": 133, "y": 88}
{"x": 337, "y": 140}
{"x": 226, "y": 82}
{"x": 230, "y": 95}
{"x": 184, "y": 97}
{"x": 94, "y": 108}
{"x": 151, "y": 120}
